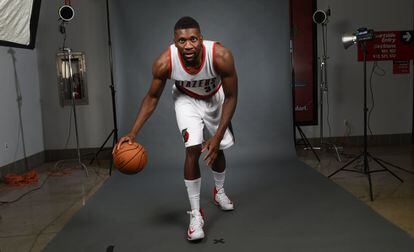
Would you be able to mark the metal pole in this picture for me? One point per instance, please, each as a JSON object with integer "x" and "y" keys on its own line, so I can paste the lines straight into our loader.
{"x": 324, "y": 79}
{"x": 412, "y": 74}
{"x": 72, "y": 87}
{"x": 366, "y": 164}
{"x": 323, "y": 89}
{"x": 321, "y": 102}
{"x": 19, "y": 100}
{"x": 364, "y": 52}
{"x": 112, "y": 86}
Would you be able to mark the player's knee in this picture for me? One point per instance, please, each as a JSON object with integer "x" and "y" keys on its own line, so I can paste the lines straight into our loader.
{"x": 193, "y": 152}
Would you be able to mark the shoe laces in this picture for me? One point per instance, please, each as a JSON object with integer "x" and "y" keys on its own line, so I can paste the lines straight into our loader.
{"x": 196, "y": 219}
{"x": 222, "y": 197}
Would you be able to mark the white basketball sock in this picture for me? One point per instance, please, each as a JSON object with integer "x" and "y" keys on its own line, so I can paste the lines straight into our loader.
{"x": 193, "y": 190}
{"x": 219, "y": 178}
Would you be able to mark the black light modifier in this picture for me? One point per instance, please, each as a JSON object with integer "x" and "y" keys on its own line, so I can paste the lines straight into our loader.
{"x": 66, "y": 13}
{"x": 321, "y": 17}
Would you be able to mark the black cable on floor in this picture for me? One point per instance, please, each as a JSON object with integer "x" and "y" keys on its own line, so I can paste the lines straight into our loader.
{"x": 26, "y": 193}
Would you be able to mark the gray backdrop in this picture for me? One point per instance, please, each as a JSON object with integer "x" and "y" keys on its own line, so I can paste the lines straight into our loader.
{"x": 257, "y": 32}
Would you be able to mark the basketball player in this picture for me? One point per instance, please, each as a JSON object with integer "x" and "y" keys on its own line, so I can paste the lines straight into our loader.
{"x": 205, "y": 97}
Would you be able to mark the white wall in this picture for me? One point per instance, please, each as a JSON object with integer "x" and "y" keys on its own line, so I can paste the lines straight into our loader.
{"x": 87, "y": 33}
{"x": 392, "y": 93}
{"x": 28, "y": 82}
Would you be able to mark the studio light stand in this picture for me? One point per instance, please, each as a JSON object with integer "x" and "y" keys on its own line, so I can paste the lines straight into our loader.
{"x": 321, "y": 17}
{"x": 69, "y": 78}
{"x": 114, "y": 131}
{"x": 360, "y": 37}
{"x": 66, "y": 14}
{"x": 19, "y": 99}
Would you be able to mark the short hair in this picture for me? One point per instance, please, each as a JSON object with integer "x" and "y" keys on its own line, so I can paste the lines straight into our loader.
{"x": 186, "y": 23}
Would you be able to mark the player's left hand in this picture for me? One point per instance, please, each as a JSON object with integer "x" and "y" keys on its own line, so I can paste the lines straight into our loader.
{"x": 212, "y": 145}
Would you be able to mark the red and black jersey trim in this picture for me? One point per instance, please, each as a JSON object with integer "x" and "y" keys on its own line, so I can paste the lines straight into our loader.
{"x": 185, "y": 135}
{"x": 170, "y": 64}
{"x": 214, "y": 56}
{"x": 230, "y": 127}
{"x": 203, "y": 61}
{"x": 197, "y": 96}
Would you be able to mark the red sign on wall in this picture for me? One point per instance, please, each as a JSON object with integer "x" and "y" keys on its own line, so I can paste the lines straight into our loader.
{"x": 389, "y": 45}
{"x": 401, "y": 67}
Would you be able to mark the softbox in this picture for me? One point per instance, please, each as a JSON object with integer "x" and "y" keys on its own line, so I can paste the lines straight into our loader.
{"x": 18, "y": 22}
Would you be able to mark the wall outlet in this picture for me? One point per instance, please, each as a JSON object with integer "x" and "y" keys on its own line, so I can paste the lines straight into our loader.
{"x": 6, "y": 145}
{"x": 347, "y": 126}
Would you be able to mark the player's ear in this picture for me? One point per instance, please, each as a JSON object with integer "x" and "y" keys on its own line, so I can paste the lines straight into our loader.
{"x": 174, "y": 38}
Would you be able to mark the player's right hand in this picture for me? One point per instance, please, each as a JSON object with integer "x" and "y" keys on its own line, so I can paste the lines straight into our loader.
{"x": 127, "y": 138}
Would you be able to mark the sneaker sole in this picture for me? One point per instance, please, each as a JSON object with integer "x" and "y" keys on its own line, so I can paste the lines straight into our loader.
{"x": 217, "y": 204}
{"x": 194, "y": 239}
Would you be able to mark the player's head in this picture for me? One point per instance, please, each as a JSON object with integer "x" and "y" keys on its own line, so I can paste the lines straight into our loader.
{"x": 188, "y": 39}
{"x": 186, "y": 23}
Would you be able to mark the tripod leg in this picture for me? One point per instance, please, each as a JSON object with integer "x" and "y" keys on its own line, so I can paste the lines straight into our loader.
{"x": 337, "y": 153}
{"x": 383, "y": 166}
{"x": 343, "y": 167}
{"x": 111, "y": 160}
{"x": 102, "y": 146}
{"x": 85, "y": 168}
{"x": 369, "y": 181}
{"x": 305, "y": 139}
{"x": 393, "y": 165}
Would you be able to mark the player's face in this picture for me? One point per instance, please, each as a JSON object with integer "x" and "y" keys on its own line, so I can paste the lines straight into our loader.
{"x": 189, "y": 43}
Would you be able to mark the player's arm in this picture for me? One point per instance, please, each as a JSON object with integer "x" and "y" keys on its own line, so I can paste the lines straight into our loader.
{"x": 160, "y": 71}
{"x": 224, "y": 66}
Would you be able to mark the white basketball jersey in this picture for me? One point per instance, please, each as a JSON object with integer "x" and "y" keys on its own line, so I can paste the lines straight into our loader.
{"x": 201, "y": 85}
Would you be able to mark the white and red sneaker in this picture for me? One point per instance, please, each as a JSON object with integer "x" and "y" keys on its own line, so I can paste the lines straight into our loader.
{"x": 221, "y": 199}
{"x": 195, "y": 229}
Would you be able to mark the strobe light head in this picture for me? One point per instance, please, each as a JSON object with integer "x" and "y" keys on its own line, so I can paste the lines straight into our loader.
{"x": 66, "y": 13}
{"x": 348, "y": 39}
{"x": 321, "y": 17}
{"x": 362, "y": 34}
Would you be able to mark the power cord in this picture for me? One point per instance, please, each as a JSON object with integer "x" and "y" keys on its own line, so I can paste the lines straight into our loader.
{"x": 379, "y": 72}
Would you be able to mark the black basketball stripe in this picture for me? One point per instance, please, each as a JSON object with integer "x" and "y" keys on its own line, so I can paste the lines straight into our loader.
{"x": 138, "y": 152}
{"x": 142, "y": 147}
{"x": 118, "y": 155}
{"x": 140, "y": 160}
{"x": 143, "y": 154}
{"x": 124, "y": 150}
{"x": 130, "y": 160}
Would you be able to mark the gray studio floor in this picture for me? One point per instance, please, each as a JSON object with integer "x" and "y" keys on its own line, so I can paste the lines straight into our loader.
{"x": 281, "y": 206}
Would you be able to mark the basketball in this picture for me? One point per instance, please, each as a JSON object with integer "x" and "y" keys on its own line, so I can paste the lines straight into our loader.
{"x": 130, "y": 158}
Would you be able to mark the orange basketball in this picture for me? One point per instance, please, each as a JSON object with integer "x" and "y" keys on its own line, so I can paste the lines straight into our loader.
{"x": 130, "y": 158}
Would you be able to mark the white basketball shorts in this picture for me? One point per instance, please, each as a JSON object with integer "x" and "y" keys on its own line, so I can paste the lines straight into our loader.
{"x": 198, "y": 120}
